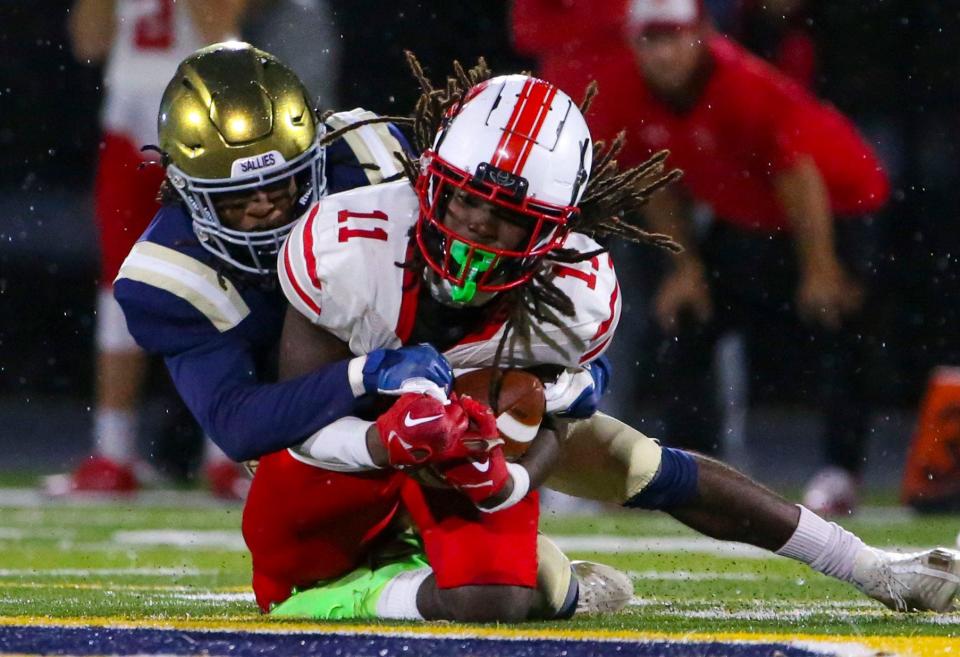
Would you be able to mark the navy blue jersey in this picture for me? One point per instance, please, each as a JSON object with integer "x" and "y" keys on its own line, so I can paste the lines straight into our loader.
{"x": 217, "y": 328}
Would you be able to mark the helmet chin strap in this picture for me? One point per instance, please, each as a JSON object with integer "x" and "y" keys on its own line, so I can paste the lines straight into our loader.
{"x": 470, "y": 269}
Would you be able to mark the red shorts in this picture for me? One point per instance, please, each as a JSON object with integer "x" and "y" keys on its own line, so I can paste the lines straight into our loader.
{"x": 304, "y": 524}
{"x": 126, "y": 200}
{"x": 465, "y": 546}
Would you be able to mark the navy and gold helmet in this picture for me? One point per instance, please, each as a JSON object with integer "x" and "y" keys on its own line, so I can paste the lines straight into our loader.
{"x": 235, "y": 119}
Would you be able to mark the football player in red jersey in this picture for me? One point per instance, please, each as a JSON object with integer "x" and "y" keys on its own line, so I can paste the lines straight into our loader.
{"x": 493, "y": 204}
{"x": 487, "y": 275}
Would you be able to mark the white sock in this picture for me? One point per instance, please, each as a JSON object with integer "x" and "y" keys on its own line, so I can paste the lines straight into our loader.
{"x": 398, "y": 600}
{"x": 825, "y": 546}
{"x": 114, "y": 434}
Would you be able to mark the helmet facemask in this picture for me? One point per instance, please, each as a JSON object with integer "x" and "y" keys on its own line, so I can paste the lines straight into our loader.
{"x": 473, "y": 271}
{"x": 250, "y": 251}
{"x": 234, "y": 119}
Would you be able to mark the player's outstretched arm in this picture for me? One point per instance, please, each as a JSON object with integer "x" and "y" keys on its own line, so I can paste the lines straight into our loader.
{"x": 247, "y": 418}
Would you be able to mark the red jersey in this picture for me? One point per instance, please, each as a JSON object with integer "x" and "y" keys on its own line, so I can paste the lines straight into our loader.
{"x": 750, "y": 122}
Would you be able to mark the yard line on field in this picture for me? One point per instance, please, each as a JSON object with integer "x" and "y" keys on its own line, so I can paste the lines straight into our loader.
{"x": 706, "y": 576}
{"x": 846, "y": 611}
{"x": 199, "y": 538}
{"x": 111, "y": 587}
{"x": 161, "y": 591}
{"x": 609, "y": 544}
{"x": 213, "y": 596}
{"x": 34, "y": 533}
{"x": 32, "y": 498}
{"x": 679, "y": 605}
{"x": 108, "y": 572}
{"x": 799, "y": 614}
{"x": 605, "y": 544}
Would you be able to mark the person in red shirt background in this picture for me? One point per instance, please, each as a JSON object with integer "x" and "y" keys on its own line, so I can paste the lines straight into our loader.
{"x": 789, "y": 184}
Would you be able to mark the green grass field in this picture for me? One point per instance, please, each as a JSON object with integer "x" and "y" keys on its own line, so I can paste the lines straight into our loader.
{"x": 184, "y": 559}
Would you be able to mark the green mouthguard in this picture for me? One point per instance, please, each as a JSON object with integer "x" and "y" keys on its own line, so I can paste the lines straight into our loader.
{"x": 479, "y": 263}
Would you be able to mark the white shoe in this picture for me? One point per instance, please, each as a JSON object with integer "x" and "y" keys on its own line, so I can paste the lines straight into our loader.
{"x": 603, "y": 589}
{"x": 832, "y": 492}
{"x": 922, "y": 581}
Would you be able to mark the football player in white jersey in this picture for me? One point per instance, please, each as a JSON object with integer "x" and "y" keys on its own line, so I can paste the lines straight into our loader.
{"x": 469, "y": 261}
{"x": 471, "y": 252}
{"x": 141, "y": 43}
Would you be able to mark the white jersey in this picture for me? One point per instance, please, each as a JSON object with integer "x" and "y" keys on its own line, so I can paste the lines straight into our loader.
{"x": 339, "y": 269}
{"x": 151, "y": 39}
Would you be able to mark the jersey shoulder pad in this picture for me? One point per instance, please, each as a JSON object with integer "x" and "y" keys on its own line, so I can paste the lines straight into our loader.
{"x": 592, "y": 286}
{"x": 338, "y": 267}
{"x": 370, "y": 148}
{"x": 173, "y": 301}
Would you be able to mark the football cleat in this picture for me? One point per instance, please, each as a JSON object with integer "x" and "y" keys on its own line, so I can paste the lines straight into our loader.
{"x": 921, "y": 581}
{"x": 832, "y": 492}
{"x": 603, "y": 589}
{"x": 97, "y": 474}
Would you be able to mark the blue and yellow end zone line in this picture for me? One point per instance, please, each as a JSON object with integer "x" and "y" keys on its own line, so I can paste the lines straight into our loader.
{"x": 27, "y": 635}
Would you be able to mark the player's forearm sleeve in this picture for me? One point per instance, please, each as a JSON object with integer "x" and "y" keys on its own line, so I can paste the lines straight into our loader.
{"x": 247, "y": 418}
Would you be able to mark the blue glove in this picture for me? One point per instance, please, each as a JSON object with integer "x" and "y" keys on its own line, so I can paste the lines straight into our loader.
{"x": 394, "y": 371}
{"x": 576, "y": 396}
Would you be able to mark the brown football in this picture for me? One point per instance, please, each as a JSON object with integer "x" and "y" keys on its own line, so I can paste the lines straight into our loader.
{"x": 520, "y": 404}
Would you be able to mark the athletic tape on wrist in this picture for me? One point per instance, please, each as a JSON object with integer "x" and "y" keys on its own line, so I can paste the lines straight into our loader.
{"x": 355, "y": 375}
{"x": 521, "y": 486}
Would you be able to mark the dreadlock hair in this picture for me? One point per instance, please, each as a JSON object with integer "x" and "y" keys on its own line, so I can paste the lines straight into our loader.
{"x": 610, "y": 205}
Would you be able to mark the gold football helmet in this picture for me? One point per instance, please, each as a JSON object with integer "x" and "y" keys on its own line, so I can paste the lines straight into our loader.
{"x": 235, "y": 119}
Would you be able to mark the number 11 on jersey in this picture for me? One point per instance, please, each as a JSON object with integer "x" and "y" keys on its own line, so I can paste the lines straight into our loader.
{"x": 346, "y": 232}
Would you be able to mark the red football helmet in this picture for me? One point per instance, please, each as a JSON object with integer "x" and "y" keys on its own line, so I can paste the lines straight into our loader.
{"x": 519, "y": 143}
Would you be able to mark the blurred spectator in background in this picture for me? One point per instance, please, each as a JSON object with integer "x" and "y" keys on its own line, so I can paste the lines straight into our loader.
{"x": 771, "y": 167}
{"x": 141, "y": 43}
{"x": 302, "y": 34}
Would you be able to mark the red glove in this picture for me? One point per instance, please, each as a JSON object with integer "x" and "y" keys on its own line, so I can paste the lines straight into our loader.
{"x": 481, "y": 435}
{"x": 418, "y": 428}
{"x": 479, "y": 478}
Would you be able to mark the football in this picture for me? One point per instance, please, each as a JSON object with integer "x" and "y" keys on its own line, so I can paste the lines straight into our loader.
{"x": 520, "y": 404}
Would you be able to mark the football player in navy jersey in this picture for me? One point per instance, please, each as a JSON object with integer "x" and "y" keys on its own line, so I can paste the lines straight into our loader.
{"x": 244, "y": 153}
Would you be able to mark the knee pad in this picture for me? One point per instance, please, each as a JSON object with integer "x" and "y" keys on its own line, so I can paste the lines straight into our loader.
{"x": 557, "y": 588}
{"x": 674, "y": 484}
